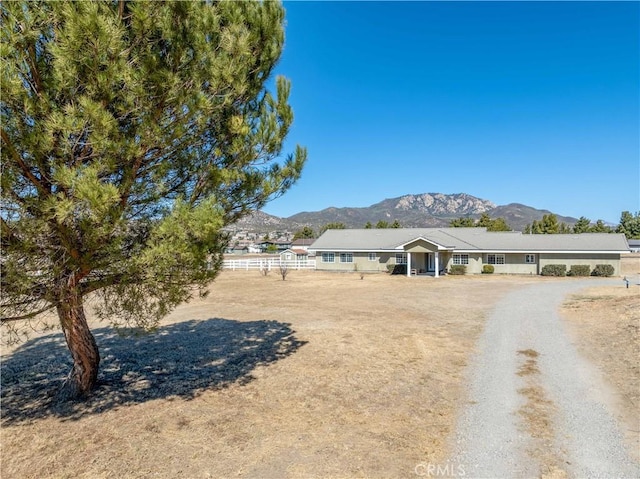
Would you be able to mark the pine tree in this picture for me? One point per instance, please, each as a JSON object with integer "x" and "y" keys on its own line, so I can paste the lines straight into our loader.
{"x": 462, "y": 222}
{"x": 132, "y": 133}
{"x": 629, "y": 225}
{"x": 582, "y": 225}
{"x": 305, "y": 232}
{"x": 484, "y": 221}
{"x": 564, "y": 228}
{"x": 600, "y": 227}
{"x": 498, "y": 224}
{"x": 549, "y": 224}
{"x": 333, "y": 226}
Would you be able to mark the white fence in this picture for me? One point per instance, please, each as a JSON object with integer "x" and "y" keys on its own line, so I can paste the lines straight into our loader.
{"x": 269, "y": 264}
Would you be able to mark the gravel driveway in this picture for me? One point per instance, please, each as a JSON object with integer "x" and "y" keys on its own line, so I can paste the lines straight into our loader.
{"x": 537, "y": 408}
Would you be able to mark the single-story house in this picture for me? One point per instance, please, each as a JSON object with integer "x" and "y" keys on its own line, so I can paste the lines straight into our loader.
{"x": 237, "y": 249}
{"x": 294, "y": 254}
{"x": 634, "y": 245}
{"x": 435, "y": 250}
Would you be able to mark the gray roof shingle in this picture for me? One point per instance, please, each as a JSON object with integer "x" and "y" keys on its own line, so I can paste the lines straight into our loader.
{"x": 467, "y": 239}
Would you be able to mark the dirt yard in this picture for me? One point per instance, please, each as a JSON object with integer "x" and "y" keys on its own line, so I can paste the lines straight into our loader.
{"x": 321, "y": 375}
{"x": 605, "y": 325}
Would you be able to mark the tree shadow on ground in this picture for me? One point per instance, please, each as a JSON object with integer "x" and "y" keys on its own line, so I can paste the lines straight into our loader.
{"x": 177, "y": 361}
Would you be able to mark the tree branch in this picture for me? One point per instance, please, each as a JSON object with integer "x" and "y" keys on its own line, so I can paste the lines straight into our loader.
{"x": 21, "y": 164}
{"x": 87, "y": 287}
{"x": 35, "y": 74}
{"x": 33, "y": 314}
{"x": 6, "y": 233}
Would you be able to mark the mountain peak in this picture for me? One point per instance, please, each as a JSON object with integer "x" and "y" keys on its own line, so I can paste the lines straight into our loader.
{"x": 439, "y": 204}
{"x": 415, "y": 210}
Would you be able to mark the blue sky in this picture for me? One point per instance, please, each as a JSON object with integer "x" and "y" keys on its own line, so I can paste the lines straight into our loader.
{"x": 528, "y": 102}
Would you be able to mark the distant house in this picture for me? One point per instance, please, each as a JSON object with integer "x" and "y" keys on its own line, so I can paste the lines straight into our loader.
{"x": 302, "y": 243}
{"x": 237, "y": 249}
{"x": 242, "y": 247}
{"x": 434, "y": 250}
{"x": 252, "y": 249}
{"x": 279, "y": 246}
{"x": 634, "y": 245}
{"x": 294, "y": 254}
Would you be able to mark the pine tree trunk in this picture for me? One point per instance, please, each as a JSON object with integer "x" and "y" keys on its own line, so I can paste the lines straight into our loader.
{"x": 81, "y": 343}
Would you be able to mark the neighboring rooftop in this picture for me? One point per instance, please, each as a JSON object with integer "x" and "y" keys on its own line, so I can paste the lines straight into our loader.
{"x": 302, "y": 242}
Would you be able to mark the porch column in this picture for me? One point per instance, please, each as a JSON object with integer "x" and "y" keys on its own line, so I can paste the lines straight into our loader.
{"x": 409, "y": 264}
{"x": 437, "y": 261}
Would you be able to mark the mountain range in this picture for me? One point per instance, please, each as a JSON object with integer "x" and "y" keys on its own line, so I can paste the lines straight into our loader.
{"x": 421, "y": 210}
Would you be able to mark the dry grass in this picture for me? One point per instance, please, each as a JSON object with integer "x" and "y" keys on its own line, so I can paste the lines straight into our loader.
{"x": 605, "y": 325}
{"x": 321, "y": 375}
{"x": 530, "y": 366}
{"x": 370, "y": 389}
{"x": 537, "y": 413}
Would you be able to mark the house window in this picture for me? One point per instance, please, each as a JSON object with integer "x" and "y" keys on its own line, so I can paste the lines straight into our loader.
{"x": 346, "y": 257}
{"x": 460, "y": 259}
{"x": 401, "y": 258}
{"x": 373, "y": 257}
{"x": 530, "y": 258}
{"x": 495, "y": 259}
{"x": 328, "y": 258}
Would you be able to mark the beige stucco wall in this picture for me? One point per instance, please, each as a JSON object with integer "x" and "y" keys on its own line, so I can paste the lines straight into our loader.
{"x": 514, "y": 262}
{"x": 591, "y": 259}
{"x": 474, "y": 266}
{"x": 420, "y": 246}
{"x": 360, "y": 262}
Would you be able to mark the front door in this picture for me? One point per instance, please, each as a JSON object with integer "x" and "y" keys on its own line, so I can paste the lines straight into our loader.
{"x": 431, "y": 262}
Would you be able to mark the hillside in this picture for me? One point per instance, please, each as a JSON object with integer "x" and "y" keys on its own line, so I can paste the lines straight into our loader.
{"x": 518, "y": 215}
{"x": 421, "y": 210}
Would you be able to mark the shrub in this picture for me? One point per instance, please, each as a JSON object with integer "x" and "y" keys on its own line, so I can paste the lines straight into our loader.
{"x": 603, "y": 270}
{"x": 284, "y": 270}
{"x": 397, "y": 269}
{"x": 265, "y": 269}
{"x": 554, "y": 270}
{"x": 458, "y": 269}
{"x": 487, "y": 269}
{"x": 579, "y": 270}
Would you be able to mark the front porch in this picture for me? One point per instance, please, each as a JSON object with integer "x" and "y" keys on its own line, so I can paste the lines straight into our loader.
{"x": 429, "y": 274}
{"x": 425, "y": 264}
{"x": 425, "y": 258}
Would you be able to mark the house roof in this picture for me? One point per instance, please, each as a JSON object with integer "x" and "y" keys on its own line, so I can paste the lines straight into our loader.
{"x": 302, "y": 242}
{"x": 296, "y": 251}
{"x": 468, "y": 240}
{"x": 275, "y": 242}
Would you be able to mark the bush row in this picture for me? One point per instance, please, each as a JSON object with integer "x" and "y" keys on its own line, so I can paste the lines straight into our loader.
{"x": 547, "y": 270}
{"x": 577, "y": 270}
{"x": 554, "y": 270}
{"x": 602, "y": 270}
